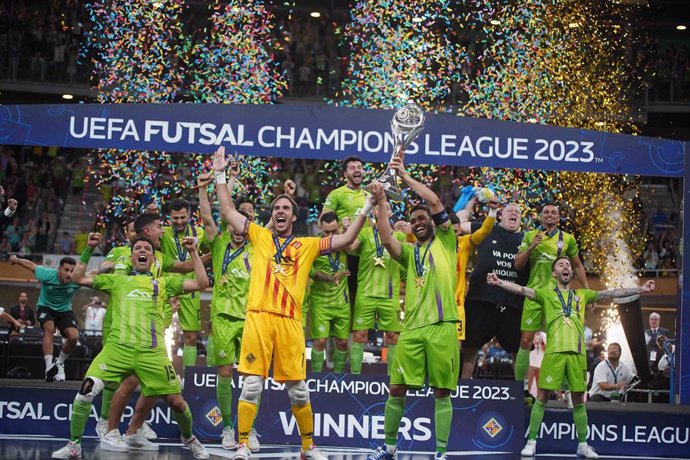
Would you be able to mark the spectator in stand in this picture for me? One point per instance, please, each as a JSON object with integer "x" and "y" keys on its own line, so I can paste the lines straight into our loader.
{"x": 94, "y": 312}
{"x": 659, "y": 220}
{"x": 5, "y": 248}
{"x": 610, "y": 376}
{"x": 66, "y": 243}
{"x": 23, "y": 313}
{"x": 80, "y": 240}
{"x": 9, "y": 211}
{"x": 651, "y": 257}
{"x": 668, "y": 268}
{"x": 14, "y": 233}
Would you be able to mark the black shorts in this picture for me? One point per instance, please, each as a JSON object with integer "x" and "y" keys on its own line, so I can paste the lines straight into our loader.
{"x": 62, "y": 319}
{"x": 484, "y": 320}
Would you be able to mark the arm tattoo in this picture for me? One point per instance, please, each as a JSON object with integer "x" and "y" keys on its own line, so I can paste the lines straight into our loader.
{"x": 522, "y": 290}
{"x": 614, "y": 293}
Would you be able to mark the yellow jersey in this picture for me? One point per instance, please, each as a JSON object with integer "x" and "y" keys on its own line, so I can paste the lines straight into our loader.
{"x": 466, "y": 243}
{"x": 279, "y": 287}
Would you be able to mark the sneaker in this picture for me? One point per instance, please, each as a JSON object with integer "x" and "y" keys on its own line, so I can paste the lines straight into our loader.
{"x": 254, "y": 444}
{"x": 313, "y": 453}
{"x": 568, "y": 399}
{"x": 102, "y": 428}
{"x": 138, "y": 441}
{"x": 71, "y": 450}
{"x": 440, "y": 456}
{"x": 382, "y": 454}
{"x": 530, "y": 449}
{"x": 52, "y": 371}
{"x": 586, "y": 451}
{"x": 147, "y": 431}
{"x": 112, "y": 442}
{"x": 198, "y": 449}
{"x": 243, "y": 452}
{"x": 228, "y": 438}
{"x": 60, "y": 376}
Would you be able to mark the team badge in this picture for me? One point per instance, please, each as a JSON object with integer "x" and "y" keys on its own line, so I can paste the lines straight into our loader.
{"x": 296, "y": 245}
{"x": 250, "y": 358}
{"x": 492, "y": 427}
{"x": 214, "y": 416}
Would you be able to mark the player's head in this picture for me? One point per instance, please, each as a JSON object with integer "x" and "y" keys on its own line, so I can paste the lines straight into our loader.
{"x": 243, "y": 204}
{"x": 179, "y": 214}
{"x": 65, "y": 269}
{"x": 562, "y": 270}
{"x": 328, "y": 223}
{"x": 150, "y": 226}
{"x": 284, "y": 212}
{"x": 614, "y": 351}
{"x": 511, "y": 217}
{"x": 142, "y": 254}
{"x": 455, "y": 222}
{"x": 353, "y": 171}
{"x": 420, "y": 220}
{"x": 400, "y": 226}
{"x": 239, "y": 238}
{"x": 129, "y": 230}
{"x": 549, "y": 215}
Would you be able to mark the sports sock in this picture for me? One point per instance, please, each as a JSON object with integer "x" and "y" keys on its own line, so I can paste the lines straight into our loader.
{"x": 317, "y": 358}
{"x": 258, "y": 404}
{"x": 63, "y": 357}
{"x": 305, "y": 423}
{"x": 246, "y": 412}
{"x": 106, "y": 399}
{"x": 339, "y": 359}
{"x": 580, "y": 419}
{"x": 356, "y": 356}
{"x": 49, "y": 361}
{"x": 443, "y": 417}
{"x": 521, "y": 364}
{"x": 80, "y": 415}
{"x": 391, "y": 357}
{"x": 188, "y": 355}
{"x": 535, "y": 418}
{"x": 395, "y": 407}
{"x": 224, "y": 397}
{"x": 210, "y": 352}
{"x": 184, "y": 421}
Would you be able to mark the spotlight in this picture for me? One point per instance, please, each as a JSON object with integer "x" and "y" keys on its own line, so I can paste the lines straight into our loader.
{"x": 69, "y": 97}
{"x": 315, "y": 14}
{"x": 681, "y": 27}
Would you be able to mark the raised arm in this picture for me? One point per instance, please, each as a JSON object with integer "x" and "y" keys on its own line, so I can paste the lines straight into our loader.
{"x": 493, "y": 280}
{"x": 210, "y": 229}
{"x": 200, "y": 280}
{"x": 79, "y": 274}
{"x": 579, "y": 270}
{"x": 227, "y": 208}
{"x": 649, "y": 286}
{"x": 383, "y": 225}
{"x": 345, "y": 240}
{"x": 24, "y": 263}
{"x": 464, "y": 215}
{"x": 477, "y": 237}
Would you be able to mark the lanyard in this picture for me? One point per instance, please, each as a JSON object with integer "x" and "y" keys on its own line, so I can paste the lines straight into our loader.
{"x": 419, "y": 265}
{"x": 181, "y": 253}
{"x": 280, "y": 247}
{"x": 566, "y": 308}
{"x": 560, "y": 244}
{"x": 615, "y": 377}
{"x": 377, "y": 241}
{"x": 334, "y": 261}
{"x": 229, "y": 257}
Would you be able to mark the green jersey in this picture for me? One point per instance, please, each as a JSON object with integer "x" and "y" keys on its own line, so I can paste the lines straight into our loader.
{"x": 430, "y": 291}
{"x": 559, "y": 243}
{"x": 137, "y": 303}
{"x": 325, "y": 294}
{"x": 565, "y": 318}
{"x": 378, "y": 276}
{"x": 122, "y": 258}
{"x": 171, "y": 246}
{"x": 231, "y": 270}
{"x": 54, "y": 294}
{"x": 346, "y": 202}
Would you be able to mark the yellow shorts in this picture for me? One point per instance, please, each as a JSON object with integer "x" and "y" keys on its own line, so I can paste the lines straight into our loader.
{"x": 461, "y": 322}
{"x": 269, "y": 336}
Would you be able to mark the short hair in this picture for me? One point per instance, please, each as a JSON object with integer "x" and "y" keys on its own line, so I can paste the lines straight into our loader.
{"x": 547, "y": 203}
{"x": 243, "y": 199}
{"x": 144, "y": 220}
{"x": 349, "y": 160}
{"x": 68, "y": 261}
{"x": 179, "y": 205}
{"x": 244, "y": 213}
{"x": 421, "y": 207}
{"x": 295, "y": 206}
{"x": 328, "y": 217}
{"x": 142, "y": 238}
{"x": 655, "y": 315}
{"x": 616, "y": 344}
{"x": 454, "y": 219}
{"x": 553, "y": 264}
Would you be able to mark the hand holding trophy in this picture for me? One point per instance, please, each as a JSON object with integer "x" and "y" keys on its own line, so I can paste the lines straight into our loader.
{"x": 406, "y": 125}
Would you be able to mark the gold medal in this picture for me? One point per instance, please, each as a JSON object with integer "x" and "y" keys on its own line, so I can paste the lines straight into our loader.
{"x": 278, "y": 269}
{"x": 420, "y": 281}
{"x": 378, "y": 262}
{"x": 568, "y": 321}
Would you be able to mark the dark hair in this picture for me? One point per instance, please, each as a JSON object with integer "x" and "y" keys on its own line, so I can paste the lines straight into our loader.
{"x": 144, "y": 220}
{"x": 454, "y": 219}
{"x": 244, "y": 214}
{"x": 547, "y": 203}
{"x": 616, "y": 344}
{"x": 179, "y": 205}
{"x": 328, "y": 217}
{"x": 68, "y": 261}
{"x": 295, "y": 206}
{"x": 421, "y": 207}
{"x": 243, "y": 199}
{"x": 349, "y": 160}
{"x": 142, "y": 238}
{"x": 553, "y": 264}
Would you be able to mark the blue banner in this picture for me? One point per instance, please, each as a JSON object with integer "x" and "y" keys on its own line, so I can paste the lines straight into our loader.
{"x": 327, "y": 132}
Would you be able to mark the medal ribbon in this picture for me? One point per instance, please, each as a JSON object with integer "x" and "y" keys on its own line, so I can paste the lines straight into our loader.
{"x": 566, "y": 308}
{"x": 229, "y": 257}
{"x": 334, "y": 261}
{"x": 281, "y": 247}
{"x": 379, "y": 246}
{"x": 181, "y": 253}
{"x": 559, "y": 245}
{"x": 419, "y": 265}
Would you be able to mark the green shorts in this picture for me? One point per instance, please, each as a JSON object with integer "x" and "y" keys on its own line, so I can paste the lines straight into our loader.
{"x": 152, "y": 367}
{"x": 556, "y": 367}
{"x": 385, "y": 312}
{"x": 329, "y": 321}
{"x": 227, "y": 338}
{"x": 431, "y": 351}
{"x": 532, "y": 316}
{"x": 190, "y": 313}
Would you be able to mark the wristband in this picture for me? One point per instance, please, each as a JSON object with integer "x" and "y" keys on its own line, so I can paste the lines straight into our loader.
{"x": 9, "y": 212}
{"x": 366, "y": 209}
{"x": 440, "y": 218}
{"x": 220, "y": 178}
{"x": 86, "y": 255}
{"x": 493, "y": 212}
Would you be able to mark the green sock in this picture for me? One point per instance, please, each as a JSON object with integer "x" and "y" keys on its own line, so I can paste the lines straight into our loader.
{"x": 210, "y": 352}
{"x": 391, "y": 357}
{"x": 535, "y": 418}
{"x": 580, "y": 418}
{"x": 443, "y": 417}
{"x": 80, "y": 415}
{"x": 317, "y": 358}
{"x": 184, "y": 421}
{"x": 106, "y": 399}
{"x": 395, "y": 407}
{"x": 521, "y": 364}
{"x": 356, "y": 356}
{"x": 339, "y": 359}
{"x": 224, "y": 397}
{"x": 188, "y": 356}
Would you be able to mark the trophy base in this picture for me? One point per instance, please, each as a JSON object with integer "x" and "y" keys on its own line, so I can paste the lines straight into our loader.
{"x": 389, "y": 183}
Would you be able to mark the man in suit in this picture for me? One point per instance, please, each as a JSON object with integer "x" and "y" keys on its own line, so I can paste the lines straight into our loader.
{"x": 652, "y": 334}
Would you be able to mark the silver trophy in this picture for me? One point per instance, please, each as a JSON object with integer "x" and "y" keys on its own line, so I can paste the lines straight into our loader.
{"x": 406, "y": 125}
